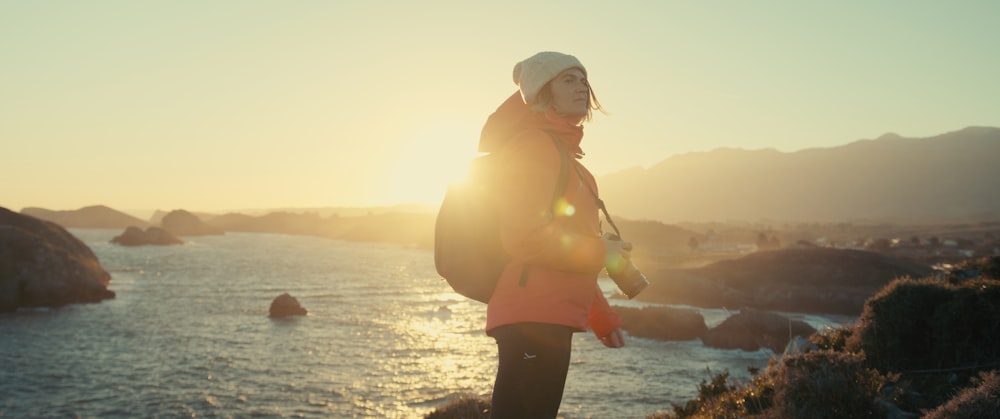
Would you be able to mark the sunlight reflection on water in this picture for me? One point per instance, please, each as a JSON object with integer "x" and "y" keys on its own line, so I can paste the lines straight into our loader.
{"x": 189, "y": 335}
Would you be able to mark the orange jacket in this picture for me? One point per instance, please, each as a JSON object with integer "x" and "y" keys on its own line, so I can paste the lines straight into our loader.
{"x": 556, "y": 255}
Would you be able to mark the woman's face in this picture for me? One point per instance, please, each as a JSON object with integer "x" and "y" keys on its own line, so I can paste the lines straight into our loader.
{"x": 570, "y": 94}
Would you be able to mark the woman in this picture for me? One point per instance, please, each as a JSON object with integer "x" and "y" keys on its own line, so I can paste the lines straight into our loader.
{"x": 549, "y": 289}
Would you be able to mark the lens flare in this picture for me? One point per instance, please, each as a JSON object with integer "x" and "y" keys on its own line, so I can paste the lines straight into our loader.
{"x": 563, "y": 208}
{"x": 615, "y": 264}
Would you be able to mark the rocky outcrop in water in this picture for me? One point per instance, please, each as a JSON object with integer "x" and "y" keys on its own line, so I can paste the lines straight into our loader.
{"x": 285, "y": 305}
{"x": 135, "y": 236}
{"x": 663, "y": 323}
{"x": 464, "y": 407}
{"x": 43, "y": 265}
{"x": 183, "y": 223}
{"x": 751, "y": 330}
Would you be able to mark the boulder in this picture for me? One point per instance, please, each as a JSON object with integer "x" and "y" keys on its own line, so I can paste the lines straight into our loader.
{"x": 663, "y": 323}
{"x": 43, "y": 265}
{"x": 183, "y": 223}
{"x": 751, "y": 330}
{"x": 134, "y": 236}
{"x": 464, "y": 407}
{"x": 285, "y": 305}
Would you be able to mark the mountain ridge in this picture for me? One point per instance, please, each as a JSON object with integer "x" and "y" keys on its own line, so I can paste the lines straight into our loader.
{"x": 94, "y": 216}
{"x": 945, "y": 176}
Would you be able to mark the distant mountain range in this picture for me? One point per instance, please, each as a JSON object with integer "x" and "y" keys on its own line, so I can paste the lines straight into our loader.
{"x": 946, "y": 177}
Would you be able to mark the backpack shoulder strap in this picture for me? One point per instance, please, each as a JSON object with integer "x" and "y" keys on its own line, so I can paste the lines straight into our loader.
{"x": 563, "y": 181}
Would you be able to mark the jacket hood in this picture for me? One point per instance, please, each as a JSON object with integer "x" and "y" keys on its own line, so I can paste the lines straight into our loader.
{"x": 513, "y": 117}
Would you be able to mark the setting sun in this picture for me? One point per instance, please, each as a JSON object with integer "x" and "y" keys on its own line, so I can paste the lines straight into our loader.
{"x": 431, "y": 158}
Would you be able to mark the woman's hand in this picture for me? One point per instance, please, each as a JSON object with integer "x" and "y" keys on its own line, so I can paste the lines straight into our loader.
{"x": 616, "y": 253}
{"x": 615, "y": 339}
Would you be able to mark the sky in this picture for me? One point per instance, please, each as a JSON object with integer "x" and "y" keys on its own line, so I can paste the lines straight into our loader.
{"x": 239, "y": 104}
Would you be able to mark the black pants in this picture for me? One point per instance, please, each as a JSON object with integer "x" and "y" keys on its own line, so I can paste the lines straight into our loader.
{"x": 534, "y": 360}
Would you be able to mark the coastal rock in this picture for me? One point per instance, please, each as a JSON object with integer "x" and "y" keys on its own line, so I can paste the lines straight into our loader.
{"x": 464, "y": 407}
{"x": 285, "y": 305}
{"x": 663, "y": 323}
{"x": 183, "y": 223}
{"x": 751, "y": 330}
{"x": 43, "y": 265}
{"x": 134, "y": 236}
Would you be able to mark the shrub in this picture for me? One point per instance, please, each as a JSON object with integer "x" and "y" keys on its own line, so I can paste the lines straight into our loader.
{"x": 832, "y": 338}
{"x": 966, "y": 328}
{"x": 980, "y": 401}
{"x": 916, "y": 342}
{"x": 708, "y": 395}
{"x": 826, "y": 384}
{"x": 758, "y": 396}
{"x": 894, "y": 328}
{"x": 937, "y": 334}
{"x": 819, "y": 384}
{"x": 722, "y": 399}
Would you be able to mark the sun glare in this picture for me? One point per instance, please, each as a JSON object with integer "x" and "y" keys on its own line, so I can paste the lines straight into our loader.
{"x": 432, "y": 158}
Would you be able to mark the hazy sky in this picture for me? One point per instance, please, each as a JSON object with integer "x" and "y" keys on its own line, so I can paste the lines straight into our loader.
{"x": 214, "y": 105}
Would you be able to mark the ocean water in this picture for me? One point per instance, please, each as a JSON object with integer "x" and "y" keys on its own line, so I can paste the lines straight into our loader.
{"x": 188, "y": 336}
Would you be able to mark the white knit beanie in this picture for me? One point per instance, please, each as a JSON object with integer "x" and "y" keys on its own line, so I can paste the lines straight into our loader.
{"x": 532, "y": 73}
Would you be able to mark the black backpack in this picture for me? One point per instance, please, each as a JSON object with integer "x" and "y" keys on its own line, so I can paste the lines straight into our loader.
{"x": 467, "y": 248}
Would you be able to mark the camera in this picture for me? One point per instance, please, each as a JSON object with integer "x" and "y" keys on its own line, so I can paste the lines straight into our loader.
{"x": 626, "y": 275}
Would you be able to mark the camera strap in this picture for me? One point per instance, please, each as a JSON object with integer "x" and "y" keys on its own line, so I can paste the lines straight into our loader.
{"x": 599, "y": 201}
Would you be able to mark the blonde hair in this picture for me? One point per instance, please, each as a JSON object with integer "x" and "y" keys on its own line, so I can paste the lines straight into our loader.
{"x": 544, "y": 101}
